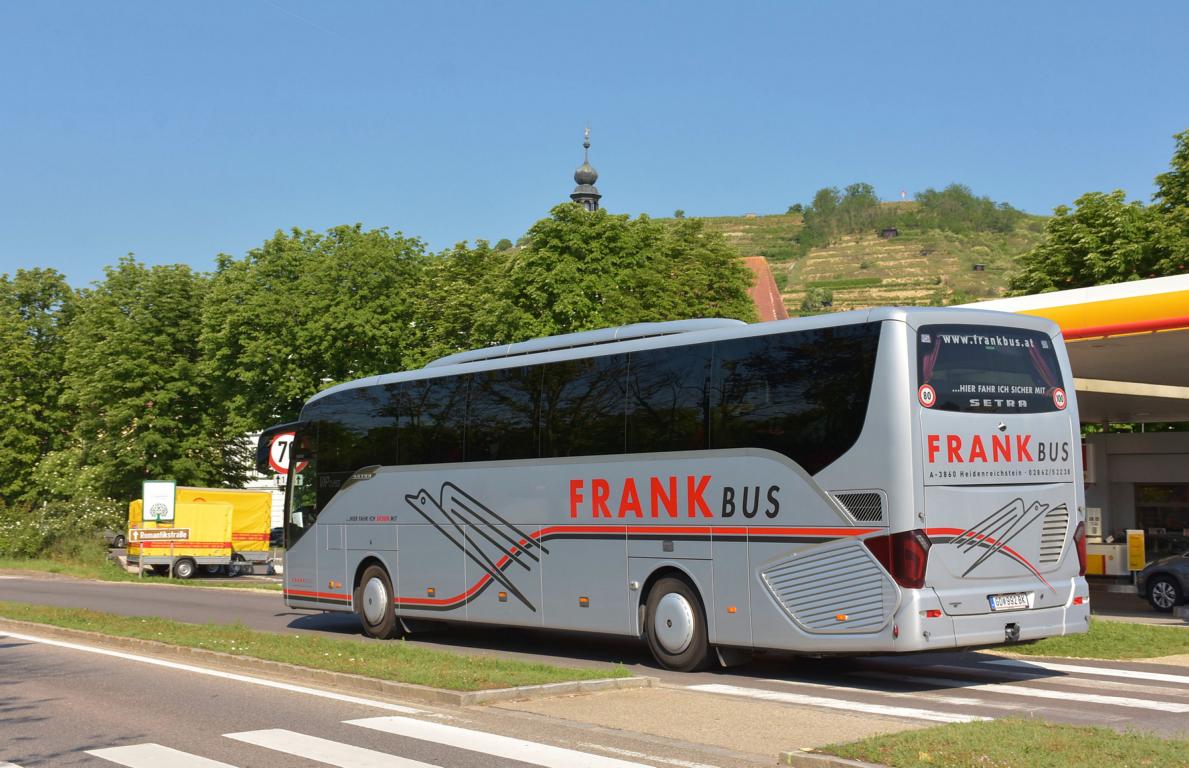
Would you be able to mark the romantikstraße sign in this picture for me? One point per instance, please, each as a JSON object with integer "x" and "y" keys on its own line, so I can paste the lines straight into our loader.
{"x": 159, "y": 534}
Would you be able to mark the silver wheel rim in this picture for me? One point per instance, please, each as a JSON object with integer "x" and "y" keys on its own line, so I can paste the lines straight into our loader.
{"x": 673, "y": 623}
{"x": 375, "y": 600}
{"x": 1163, "y": 594}
{"x": 182, "y": 569}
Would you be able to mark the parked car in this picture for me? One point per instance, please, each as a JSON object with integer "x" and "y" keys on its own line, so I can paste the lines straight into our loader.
{"x": 114, "y": 539}
{"x": 1165, "y": 582}
{"x": 276, "y": 537}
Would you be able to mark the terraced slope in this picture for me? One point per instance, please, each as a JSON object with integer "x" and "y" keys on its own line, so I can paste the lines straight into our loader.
{"x": 918, "y": 267}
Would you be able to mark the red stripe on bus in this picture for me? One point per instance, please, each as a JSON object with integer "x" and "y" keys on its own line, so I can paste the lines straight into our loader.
{"x": 318, "y": 595}
{"x": 693, "y": 530}
{"x": 249, "y": 536}
{"x": 444, "y": 600}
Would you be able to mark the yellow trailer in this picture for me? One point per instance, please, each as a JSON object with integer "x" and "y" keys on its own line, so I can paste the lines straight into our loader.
{"x": 199, "y": 534}
{"x": 251, "y": 519}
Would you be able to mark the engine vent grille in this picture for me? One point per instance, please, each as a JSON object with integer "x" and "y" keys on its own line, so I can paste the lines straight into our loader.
{"x": 838, "y": 590}
{"x": 1052, "y": 535}
{"x": 864, "y": 506}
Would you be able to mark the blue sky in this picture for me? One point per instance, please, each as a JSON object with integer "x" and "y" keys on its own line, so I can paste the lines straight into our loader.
{"x": 180, "y": 130}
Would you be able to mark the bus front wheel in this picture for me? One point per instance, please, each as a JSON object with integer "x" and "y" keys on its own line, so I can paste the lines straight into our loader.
{"x": 676, "y": 626}
{"x": 373, "y": 603}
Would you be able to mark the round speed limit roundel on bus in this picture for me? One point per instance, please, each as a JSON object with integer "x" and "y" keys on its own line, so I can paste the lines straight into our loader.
{"x": 927, "y": 395}
{"x": 279, "y": 451}
{"x": 1059, "y": 398}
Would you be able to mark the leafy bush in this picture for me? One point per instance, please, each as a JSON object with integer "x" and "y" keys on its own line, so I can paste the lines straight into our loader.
{"x": 68, "y": 529}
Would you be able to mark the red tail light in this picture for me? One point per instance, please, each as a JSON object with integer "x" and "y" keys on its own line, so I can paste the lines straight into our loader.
{"x": 1079, "y": 541}
{"x": 905, "y": 555}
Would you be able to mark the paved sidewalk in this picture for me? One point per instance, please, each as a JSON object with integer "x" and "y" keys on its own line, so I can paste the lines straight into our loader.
{"x": 755, "y": 727}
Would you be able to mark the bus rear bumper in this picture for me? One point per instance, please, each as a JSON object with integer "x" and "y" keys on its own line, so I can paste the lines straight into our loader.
{"x": 919, "y": 633}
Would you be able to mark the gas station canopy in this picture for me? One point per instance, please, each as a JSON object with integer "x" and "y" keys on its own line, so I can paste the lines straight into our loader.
{"x": 1128, "y": 346}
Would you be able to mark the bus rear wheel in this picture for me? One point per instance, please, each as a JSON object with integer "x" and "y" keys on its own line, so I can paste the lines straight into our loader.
{"x": 675, "y": 626}
{"x": 373, "y": 603}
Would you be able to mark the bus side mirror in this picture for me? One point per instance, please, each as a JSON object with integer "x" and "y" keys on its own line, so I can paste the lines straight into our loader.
{"x": 275, "y": 447}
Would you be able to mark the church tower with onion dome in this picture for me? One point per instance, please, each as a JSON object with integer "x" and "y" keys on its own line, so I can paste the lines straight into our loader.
{"x": 586, "y": 194}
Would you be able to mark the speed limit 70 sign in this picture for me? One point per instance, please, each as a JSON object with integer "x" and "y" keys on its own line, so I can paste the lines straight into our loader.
{"x": 279, "y": 451}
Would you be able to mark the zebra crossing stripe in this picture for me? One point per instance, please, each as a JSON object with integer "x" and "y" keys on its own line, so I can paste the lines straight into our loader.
{"x": 153, "y": 756}
{"x": 324, "y": 750}
{"x": 1078, "y": 669}
{"x": 491, "y": 744}
{"x": 848, "y": 705}
{"x": 1035, "y": 693}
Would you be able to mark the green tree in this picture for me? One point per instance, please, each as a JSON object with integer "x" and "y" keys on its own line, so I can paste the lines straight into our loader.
{"x": 817, "y": 300}
{"x": 305, "y": 310}
{"x": 142, "y": 408}
{"x": 504, "y": 244}
{"x": 1105, "y": 239}
{"x": 679, "y": 214}
{"x": 1102, "y": 239}
{"x": 579, "y": 270}
{"x": 35, "y": 309}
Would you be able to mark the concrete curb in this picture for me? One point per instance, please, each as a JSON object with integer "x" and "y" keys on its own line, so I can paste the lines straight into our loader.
{"x": 802, "y": 759}
{"x": 340, "y": 681}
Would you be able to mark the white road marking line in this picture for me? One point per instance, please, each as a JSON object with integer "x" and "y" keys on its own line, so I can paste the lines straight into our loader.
{"x": 219, "y": 674}
{"x": 324, "y": 750}
{"x": 849, "y": 706}
{"x": 154, "y": 756}
{"x": 9, "y": 765}
{"x": 1075, "y": 669}
{"x": 1037, "y": 693}
{"x": 1097, "y": 684}
{"x": 10, "y": 578}
{"x": 895, "y": 694}
{"x": 639, "y": 755}
{"x": 491, "y": 744}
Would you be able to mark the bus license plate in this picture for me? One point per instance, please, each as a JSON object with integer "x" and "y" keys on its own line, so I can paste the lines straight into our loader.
{"x": 1011, "y": 601}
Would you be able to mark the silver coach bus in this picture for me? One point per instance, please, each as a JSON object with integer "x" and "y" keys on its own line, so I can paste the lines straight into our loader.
{"x": 866, "y": 482}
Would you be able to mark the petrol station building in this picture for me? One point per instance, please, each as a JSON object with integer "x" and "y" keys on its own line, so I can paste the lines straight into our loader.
{"x": 1129, "y": 350}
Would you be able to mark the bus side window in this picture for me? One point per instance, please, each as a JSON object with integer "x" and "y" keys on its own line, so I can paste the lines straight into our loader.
{"x": 802, "y": 394}
{"x": 432, "y": 420}
{"x": 583, "y": 407}
{"x": 668, "y": 399}
{"x": 502, "y": 414}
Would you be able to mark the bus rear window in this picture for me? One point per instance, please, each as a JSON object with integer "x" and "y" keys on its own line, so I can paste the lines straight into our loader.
{"x": 984, "y": 369}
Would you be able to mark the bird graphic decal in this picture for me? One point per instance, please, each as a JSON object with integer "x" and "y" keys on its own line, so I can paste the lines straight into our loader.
{"x": 996, "y": 531}
{"x": 490, "y": 541}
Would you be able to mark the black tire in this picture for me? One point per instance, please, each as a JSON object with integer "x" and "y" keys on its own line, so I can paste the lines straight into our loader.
{"x": 682, "y": 647}
{"x": 184, "y": 568}
{"x": 1164, "y": 593}
{"x": 119, "y": 541}
{"x": 373, "y": 603}
{"x": 212, "y": 570}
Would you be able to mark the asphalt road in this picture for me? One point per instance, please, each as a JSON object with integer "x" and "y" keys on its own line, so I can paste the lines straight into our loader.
{"x": 931, "y": 687}
{"x": 68, "y": 707}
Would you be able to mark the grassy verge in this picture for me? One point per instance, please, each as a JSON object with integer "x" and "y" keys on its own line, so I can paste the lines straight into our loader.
{"x": 1112, "y": 640}
{"x": 1014, "y": 743}
{"x": 395, "y": 660}
{"x": 105, "y": 570}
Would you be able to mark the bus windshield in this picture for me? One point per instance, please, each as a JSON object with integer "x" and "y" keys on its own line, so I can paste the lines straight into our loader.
{"x": 978, "y": 369}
